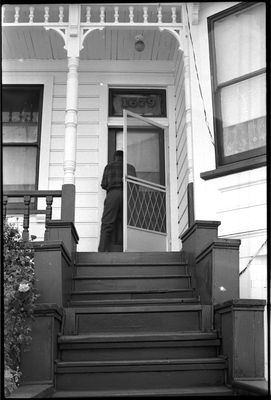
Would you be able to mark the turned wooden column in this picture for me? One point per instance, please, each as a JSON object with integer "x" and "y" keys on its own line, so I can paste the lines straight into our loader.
{"x": 69, "y": 165}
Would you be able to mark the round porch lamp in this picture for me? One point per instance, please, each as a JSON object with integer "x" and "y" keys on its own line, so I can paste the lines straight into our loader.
{"x": 139, "y": 44}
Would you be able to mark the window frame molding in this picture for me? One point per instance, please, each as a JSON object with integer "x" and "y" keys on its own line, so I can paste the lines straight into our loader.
{"x": 243, "y": 160}
{"x": 46, "y": 123}
{"x": 47, "y": 105}
{"x": 26, "y": 144}
{"x": 240, "y": 166}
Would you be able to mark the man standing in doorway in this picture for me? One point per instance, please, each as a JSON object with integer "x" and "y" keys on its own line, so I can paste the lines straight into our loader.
{"x": 112, "y": 182}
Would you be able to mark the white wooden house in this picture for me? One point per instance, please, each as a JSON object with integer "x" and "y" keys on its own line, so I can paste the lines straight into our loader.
{"x": 195, "y": 93}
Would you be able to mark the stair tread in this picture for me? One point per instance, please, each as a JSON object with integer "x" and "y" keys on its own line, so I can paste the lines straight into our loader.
{"x": 78, "y": 303}
{"x": 193, "y": 335}
{"x": 173, "y": 276}
{"x": 207, "y": 360}
{"x": 130, "y": 264}
{"x": 137, "y": 308}
{"x": 201, "y": 390}
{"x": 131, "y": 291}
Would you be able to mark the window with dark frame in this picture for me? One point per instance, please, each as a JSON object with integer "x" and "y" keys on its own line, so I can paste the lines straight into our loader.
{"x": 238, "y": 67}
{"x": 21, "y": 128}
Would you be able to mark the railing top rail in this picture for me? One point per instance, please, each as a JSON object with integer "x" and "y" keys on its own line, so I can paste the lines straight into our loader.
{"x": 32, "y": 193}
{"x": 108, "y": 14}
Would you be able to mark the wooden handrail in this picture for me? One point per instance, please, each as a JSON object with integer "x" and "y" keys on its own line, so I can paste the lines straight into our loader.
{"x": 27, "y": 195}
{"x": 32, "y": 193}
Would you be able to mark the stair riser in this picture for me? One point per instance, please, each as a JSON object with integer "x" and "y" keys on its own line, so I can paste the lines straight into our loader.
{"x": 130, "y": 270}
{"x": 92, "y": 353}
{"x": 131, "y": 284}
{"x": 139, "y": 322}
{"x": 142, "y": 295}
{"x": 132, "y": 380}
{"x": 130, "y": 258}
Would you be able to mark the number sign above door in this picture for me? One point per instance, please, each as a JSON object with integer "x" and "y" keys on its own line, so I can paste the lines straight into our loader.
{"x": 150, "y": 103}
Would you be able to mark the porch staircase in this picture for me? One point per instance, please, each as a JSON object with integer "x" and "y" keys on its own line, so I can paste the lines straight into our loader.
{"x": 135, "y": 329}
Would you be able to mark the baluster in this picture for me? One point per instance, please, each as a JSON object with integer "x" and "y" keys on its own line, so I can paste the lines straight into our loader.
{"x": 16, "y": 16}
{"x": 26, "y": 217}
{"x": 88, "y": 15}
{"x": 3, "y": 14}
{"x": 145, "y": 16}
{"x": 173, "y": 16}
{"x": 102, "y": 14}
{"x": 116, "y": 15}
{"x": 159, "y": 14}
{"x": 5, "y": 203}
{"x": 131, "y": 14}
{"x": 48, "y": 215}
{"x": 31, "y": 15}
{"x": 46, "y": 15}
{"x": 61, "y": 13}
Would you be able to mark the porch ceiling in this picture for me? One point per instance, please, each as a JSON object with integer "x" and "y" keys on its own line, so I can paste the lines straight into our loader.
{"x": 107, "y": 44}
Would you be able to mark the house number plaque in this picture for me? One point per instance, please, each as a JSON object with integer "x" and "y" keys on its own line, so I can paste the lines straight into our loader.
{"x": 143, "y": 102}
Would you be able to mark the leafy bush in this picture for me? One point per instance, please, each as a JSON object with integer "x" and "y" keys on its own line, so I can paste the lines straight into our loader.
{"x": 19, "y": 297}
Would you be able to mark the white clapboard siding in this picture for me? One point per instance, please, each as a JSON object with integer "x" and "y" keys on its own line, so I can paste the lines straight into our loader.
{"x": 242, "y": 202}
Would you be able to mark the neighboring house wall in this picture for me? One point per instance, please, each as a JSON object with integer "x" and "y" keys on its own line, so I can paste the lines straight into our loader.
{"x": 238, "y": 200}
{"x": 181, "y": 145}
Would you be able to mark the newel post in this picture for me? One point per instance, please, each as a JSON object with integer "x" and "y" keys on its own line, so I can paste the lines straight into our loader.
{"x": 240, "y": 324}
{"x": 213, "y": 262}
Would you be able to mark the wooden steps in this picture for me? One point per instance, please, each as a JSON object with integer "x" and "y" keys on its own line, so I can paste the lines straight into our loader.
{"x": 128, "y": 347}
{"x": 133, "y": 301}
{"x": 131, "y": 294}
{"x": 139, "y": 282}
{"x": 147, "y": 374}
{"x": 134, "y": 328}
{"x": 186, "y": 391}
{"x": 150, "y": 318}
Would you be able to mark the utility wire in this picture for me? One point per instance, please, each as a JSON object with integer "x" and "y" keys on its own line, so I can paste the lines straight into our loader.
{"x": 252, "y": 258}
{"x": 196, "y": 67}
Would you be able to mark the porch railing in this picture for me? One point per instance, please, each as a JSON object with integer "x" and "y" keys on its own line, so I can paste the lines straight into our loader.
{"x": 149, "y": 14}
{"x": 27, "y": 195}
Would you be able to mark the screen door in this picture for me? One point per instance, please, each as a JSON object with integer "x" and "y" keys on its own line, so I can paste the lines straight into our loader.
{"x": 144, "y": 188}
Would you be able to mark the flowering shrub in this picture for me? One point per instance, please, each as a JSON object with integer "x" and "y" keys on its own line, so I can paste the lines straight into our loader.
{"x": 19, "y": 297}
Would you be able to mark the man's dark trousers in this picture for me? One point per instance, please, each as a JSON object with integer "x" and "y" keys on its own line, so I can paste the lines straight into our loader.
{"x": 112, "y": 205}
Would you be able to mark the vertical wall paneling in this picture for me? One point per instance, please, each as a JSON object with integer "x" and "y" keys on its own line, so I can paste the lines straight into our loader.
{"x": 181, "y": 150}
{"x": 171, "y": 170}
{"x": 87, "y": 161}
{"x": 103, "y": 150}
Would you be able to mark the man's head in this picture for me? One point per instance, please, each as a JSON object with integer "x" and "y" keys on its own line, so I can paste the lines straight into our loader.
{"x": 118, "y": 155}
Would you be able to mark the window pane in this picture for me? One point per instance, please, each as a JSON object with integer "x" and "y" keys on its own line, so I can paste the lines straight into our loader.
{"x": 244, "y": 101}
{"x": 143, "y": 152}
{"x": 244, "y": 115}
{"x": 19, "y": 168}
{"x": 21, "y": 104}
{"x": 240, "y": 41}
{"x": 20, "y": 133}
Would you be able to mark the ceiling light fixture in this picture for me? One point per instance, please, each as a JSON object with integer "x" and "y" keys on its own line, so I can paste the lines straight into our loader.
{"x": 139, "y": 44}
